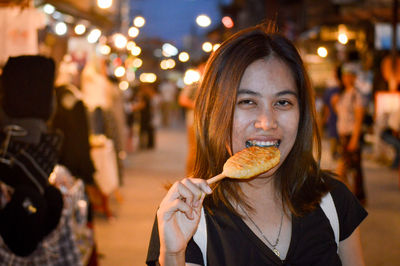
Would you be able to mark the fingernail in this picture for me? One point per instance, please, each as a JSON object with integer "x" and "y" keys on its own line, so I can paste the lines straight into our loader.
{"x": 208, "y": 190}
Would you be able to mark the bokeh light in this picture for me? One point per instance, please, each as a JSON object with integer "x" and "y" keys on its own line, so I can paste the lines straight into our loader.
{"x": 183, "y": 57}
{"x": 148, "y": 77}
{"x": 322, "y": 51}
{"x": 207, "y": 47}
{"x": 342, "y": 38}
{"x": 227, "y": 22}
{"x": 123, "y": 85}
{"x": 119, "y": 71}
{"x": 136, "y": 51}
{"x": 94, "y": 36}
{"x": 191, "y": 76}
{"x": 80, "y": 29}
{"x": 133, "y": 32}
{"x": 60, "y": 28}
{"x": 120, "y": 40}
{"x": 104, "y": 4}
{"x": 139, "y": 21}
{"x": 203, "y": 20}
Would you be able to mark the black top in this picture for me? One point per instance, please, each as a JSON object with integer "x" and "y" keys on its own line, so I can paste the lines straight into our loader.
{"x": 74, "y": 124}
{"x": 231, "y": 242}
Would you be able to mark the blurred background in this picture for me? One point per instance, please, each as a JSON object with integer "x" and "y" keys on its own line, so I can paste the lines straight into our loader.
{"x": 129, "y": 60}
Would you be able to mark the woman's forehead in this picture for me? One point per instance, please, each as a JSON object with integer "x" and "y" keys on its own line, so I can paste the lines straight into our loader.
{"x": 270, "y": 73}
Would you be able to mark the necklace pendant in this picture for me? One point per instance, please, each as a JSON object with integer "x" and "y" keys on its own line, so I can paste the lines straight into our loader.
{"x": 276, "y": 252}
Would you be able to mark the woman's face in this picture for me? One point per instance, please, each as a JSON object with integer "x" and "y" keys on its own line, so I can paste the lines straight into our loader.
{"x": 267, "y": 108}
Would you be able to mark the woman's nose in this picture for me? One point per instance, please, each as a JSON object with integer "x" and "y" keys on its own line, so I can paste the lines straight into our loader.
{"x": 266, "y": 121}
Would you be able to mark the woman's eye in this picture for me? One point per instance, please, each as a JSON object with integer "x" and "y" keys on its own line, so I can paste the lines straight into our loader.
{"x": 284, "y": 103}
{"x": 245, "y": 102}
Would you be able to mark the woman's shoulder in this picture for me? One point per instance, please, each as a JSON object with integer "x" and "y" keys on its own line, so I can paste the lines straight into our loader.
{"x": 339, "y": 191}
{"x": 350, "y": 212}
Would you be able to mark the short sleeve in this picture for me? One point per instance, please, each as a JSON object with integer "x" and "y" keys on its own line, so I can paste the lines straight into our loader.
{"x": 193, "y": 252}
{"x": 349, "y": 209}
{"x": 153, "y": 252}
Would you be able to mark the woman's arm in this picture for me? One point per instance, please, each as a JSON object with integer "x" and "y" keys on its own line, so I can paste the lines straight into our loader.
{"x": 355, "y": 136}
{"x": 334, "y": 101}
{"x": 350, "y": 251}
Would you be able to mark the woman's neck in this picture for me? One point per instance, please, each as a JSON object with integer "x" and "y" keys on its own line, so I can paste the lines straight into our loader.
{"x": 260, "y": 190}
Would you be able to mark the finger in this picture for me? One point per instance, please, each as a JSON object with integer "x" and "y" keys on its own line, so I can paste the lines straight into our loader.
{"x": 194, "y": 188}
{"x": 181, "y": 206}
{"x": 177, "y": 191}
{"x": 185, "y": 193}
{"x": 170, "y": 209}
{"x": 202, "y": 184}
{"x": 204, "y": 189}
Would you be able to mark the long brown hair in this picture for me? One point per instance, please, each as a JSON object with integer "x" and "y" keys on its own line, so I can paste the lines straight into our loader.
{"x": 300, "y": 180}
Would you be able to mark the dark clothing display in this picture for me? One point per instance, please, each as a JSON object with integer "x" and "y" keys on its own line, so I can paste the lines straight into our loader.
{"x": 35, "y": 227}
{"x": 26, "y": 167}
{"x": 231, "y": 242}
{"x": 73, "y": 123}
{"x": 27, "y": 82}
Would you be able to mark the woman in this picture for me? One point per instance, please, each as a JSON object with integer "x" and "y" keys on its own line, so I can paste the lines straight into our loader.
{"x": 273, "y": 218}
{"x": 350, "y": 112}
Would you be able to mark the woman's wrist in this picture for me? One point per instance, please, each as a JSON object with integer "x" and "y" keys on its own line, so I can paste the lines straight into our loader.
{"x": 172, "y": 259}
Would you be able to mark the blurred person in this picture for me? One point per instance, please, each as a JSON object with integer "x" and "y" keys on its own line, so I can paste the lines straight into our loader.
{"x": 117, "y": 126}
{"x": 133, "y": 103}
{"x": 168, "y": 91}
{"x": 149, "y": 115}
{"x": 391, "y": 135}
{"x": 71, "y": 118}
{"x": 329, "y": 115}
{"x": 365, "y": 78}
{"x": 187, "y": 100}
{"x": 255, "y": 91}
{"x": 349, "y": 108}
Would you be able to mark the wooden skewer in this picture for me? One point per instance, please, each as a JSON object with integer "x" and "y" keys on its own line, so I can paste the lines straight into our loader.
{"x": 216, "y": 178}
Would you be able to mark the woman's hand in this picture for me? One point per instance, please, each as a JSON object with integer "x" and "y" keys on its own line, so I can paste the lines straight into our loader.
{"x": 178, "y": 217}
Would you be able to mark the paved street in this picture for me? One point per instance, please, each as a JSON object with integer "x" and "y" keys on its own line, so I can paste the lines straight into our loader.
{"x": 124, "y": 240}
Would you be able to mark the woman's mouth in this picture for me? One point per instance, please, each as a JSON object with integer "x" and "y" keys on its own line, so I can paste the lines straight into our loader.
{"x": 275, "y": 143}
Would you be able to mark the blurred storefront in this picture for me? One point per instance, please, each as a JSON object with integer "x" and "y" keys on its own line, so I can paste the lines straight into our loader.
{"x": 56, "y": 22}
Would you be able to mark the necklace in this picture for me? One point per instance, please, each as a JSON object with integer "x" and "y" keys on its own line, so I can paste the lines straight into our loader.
{"x": 274, "y": 249}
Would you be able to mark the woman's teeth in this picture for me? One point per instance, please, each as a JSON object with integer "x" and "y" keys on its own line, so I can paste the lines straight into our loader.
{"x": 250, "y": 143}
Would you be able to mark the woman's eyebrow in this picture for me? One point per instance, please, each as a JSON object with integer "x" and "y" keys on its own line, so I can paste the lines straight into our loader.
{"x": 284, "y": 92}
{"x": 248, "y": 91}
{"x": 280, "y": 93}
